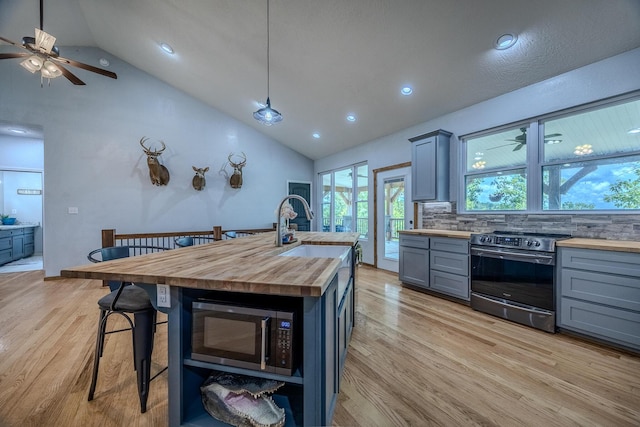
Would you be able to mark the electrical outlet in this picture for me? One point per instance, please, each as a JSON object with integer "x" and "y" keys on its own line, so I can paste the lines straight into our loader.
{"x": 14, "y": 211}
{"x": 164, "y": 299}
{"x": 72, "y": 210}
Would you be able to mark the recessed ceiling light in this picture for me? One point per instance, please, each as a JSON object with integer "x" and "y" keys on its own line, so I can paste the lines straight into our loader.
{"x": 104, "y": 62}
{"x": 316, "y": 135}
{"x": 20, "y": 131}
{"x": 351, "y": 118}
{"x": 406, "y": 90}
{"x": 167, "y": 48}
{"x": 635, "y": 131}
{"x": 505, "y": 41}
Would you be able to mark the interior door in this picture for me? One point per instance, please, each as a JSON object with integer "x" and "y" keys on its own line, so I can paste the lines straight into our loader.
{"x": 301, "y": 189}
{"x": 394, "y": 212}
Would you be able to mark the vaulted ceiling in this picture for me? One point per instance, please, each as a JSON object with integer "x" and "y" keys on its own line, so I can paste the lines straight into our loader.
{"x": 331, "y": 58}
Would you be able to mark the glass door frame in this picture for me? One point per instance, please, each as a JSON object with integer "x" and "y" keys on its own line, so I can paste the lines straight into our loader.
{"x": 410, "y": 214}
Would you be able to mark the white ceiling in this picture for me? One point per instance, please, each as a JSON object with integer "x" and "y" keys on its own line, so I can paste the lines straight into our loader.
{"x": 330, "y": 58}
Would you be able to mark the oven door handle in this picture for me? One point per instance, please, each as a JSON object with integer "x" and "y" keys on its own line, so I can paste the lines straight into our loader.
{"x": 264, "y": 328}
{"x": 537, "y": 258}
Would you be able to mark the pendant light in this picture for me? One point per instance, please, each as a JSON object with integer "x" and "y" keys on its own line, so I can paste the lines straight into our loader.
{"x": 267, "y": 115}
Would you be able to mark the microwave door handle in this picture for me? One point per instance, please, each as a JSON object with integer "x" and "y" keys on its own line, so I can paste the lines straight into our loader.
{"x": 264, "y": 327}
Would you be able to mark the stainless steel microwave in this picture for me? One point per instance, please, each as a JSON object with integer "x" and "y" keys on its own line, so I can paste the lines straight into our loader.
{"x": 244, "y": 337}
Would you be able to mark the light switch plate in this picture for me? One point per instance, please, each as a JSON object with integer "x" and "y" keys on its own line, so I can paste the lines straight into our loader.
{"x": 163, "y": 297}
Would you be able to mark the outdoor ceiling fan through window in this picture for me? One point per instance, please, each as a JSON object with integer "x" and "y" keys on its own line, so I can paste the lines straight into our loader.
{"x": 42, "y": 55}
{"x": 521, "y": 140}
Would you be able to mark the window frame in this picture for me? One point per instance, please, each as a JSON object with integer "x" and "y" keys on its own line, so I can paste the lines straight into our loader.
{"x": 535, "y": 162}
{"x": 355, "y": 201}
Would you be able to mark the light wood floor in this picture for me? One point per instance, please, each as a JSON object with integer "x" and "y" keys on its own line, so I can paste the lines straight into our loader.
{"x": 414, "y": 359}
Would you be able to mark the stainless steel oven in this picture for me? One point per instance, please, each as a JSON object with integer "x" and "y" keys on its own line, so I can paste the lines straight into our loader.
{"x": 513, "y": 277}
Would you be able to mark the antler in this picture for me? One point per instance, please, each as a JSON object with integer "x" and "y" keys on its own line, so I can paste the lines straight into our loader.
{"x": 238, "y": 165}
{"x": 148, "y": 150}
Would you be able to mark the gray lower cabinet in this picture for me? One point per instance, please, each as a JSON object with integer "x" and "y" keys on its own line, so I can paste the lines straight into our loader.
{"x": 440, "y": 264}
{"x": 449, "y": 266}
{"x": 599, "y": 294}
{"x": 413, "y": 265}
{"x": 16, "y": 243}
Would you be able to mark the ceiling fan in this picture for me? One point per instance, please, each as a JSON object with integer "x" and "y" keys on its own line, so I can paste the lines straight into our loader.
{"x": 42, "y": 55}
{"x": 521, "y": 140}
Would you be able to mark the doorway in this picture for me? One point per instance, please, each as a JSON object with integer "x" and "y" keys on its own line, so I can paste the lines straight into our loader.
{"x": 394, "y": 213}
{"x": 21, "y": 198}
{"x": 302, "y": 189}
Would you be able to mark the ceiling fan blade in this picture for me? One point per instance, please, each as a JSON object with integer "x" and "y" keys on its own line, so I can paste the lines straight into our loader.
{"x": 519, "y": 147}
{"x": 86, "y": 67}
{"x": 11, "y": 43}
{"x": 499, "y": 146}
{"x": 13, "y": 55}
{"x": 552, "y": 135}
{"x": 70, "y": 76}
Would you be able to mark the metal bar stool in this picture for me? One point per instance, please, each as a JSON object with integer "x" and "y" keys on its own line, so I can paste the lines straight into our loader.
{"x": 127, "y": 299}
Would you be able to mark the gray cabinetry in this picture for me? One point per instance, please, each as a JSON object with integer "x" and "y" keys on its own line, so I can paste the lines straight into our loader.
{"x": 599, "y": 294}
{"x": 6, "y": 247}
{"x": 430, "y": 167}
{"x": 440, "y": 264}
{"x": 414, "y": 259}
{"x": 29, "y": 242}
{"x": 449, "y": 266}
{"x": 16, "y": 243}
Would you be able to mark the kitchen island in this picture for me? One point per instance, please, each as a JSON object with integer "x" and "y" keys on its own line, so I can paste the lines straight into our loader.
{"x": 249, "y": 269}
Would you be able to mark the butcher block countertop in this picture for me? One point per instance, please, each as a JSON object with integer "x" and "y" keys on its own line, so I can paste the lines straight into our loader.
{"x": 605, "y": 245}
{"x": 439, "y": 233}
{"x": 246, "y": 264}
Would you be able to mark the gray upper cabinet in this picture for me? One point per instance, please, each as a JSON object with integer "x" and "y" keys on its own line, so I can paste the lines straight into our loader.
{"x": 430, "y": 167}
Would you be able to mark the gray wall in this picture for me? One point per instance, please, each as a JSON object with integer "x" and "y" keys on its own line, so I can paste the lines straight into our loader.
{"x": 603, "y": 79}
{"x": 92, "y": 159}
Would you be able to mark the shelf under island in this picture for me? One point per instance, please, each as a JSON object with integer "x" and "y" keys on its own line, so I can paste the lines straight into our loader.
{"x": 319, "y": 290}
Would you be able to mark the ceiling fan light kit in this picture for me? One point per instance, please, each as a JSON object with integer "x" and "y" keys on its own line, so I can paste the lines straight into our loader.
{"x": 267, "y": 115}
{"x": 42, "y": 55}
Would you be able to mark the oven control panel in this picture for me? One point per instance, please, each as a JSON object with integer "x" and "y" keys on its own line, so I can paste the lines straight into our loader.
{"x": 508, "y": 241}
{"x": 524, "y": 242}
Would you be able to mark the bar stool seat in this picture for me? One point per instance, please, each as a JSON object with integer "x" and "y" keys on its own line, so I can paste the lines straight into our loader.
{"x": 127, "y": 299}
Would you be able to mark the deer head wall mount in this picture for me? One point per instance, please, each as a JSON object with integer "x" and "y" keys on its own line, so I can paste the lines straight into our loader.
{"x": 236, "y": 178}
{"x": 199, "y": 180}
{"x": 158, "y": 173}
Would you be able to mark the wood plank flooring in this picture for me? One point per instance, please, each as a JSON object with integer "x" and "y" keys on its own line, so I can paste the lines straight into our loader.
{"x": 414, "y": 359}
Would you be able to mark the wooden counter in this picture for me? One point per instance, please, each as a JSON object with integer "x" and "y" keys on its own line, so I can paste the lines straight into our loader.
{"x": 605, "y": 245}
{"x": 223, "y": 269}
{"x": 247, "y": 264}
{"x": 439, "y": 233}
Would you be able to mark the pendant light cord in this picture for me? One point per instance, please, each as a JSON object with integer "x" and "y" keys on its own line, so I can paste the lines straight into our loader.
{"x": 268, "y": 54}
{"x": 41, "y": 9}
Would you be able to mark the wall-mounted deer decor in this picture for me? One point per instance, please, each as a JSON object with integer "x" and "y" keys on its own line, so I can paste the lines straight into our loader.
{"x": 158, "y": 173}
{"x": 236, "y": 178}
{"x": 199, "y": 180}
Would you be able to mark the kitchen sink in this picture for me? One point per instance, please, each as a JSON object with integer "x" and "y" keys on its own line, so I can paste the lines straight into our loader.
{"x": 327, "y": 251}
{"x": 318, "y": 251}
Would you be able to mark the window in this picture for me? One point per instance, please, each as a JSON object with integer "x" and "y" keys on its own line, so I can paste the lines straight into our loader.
{"x": 496, "y": 175}
{"x": 341, "y": 211}
{"x": 585, "y": 159}
{"x": 594, "y": 160}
